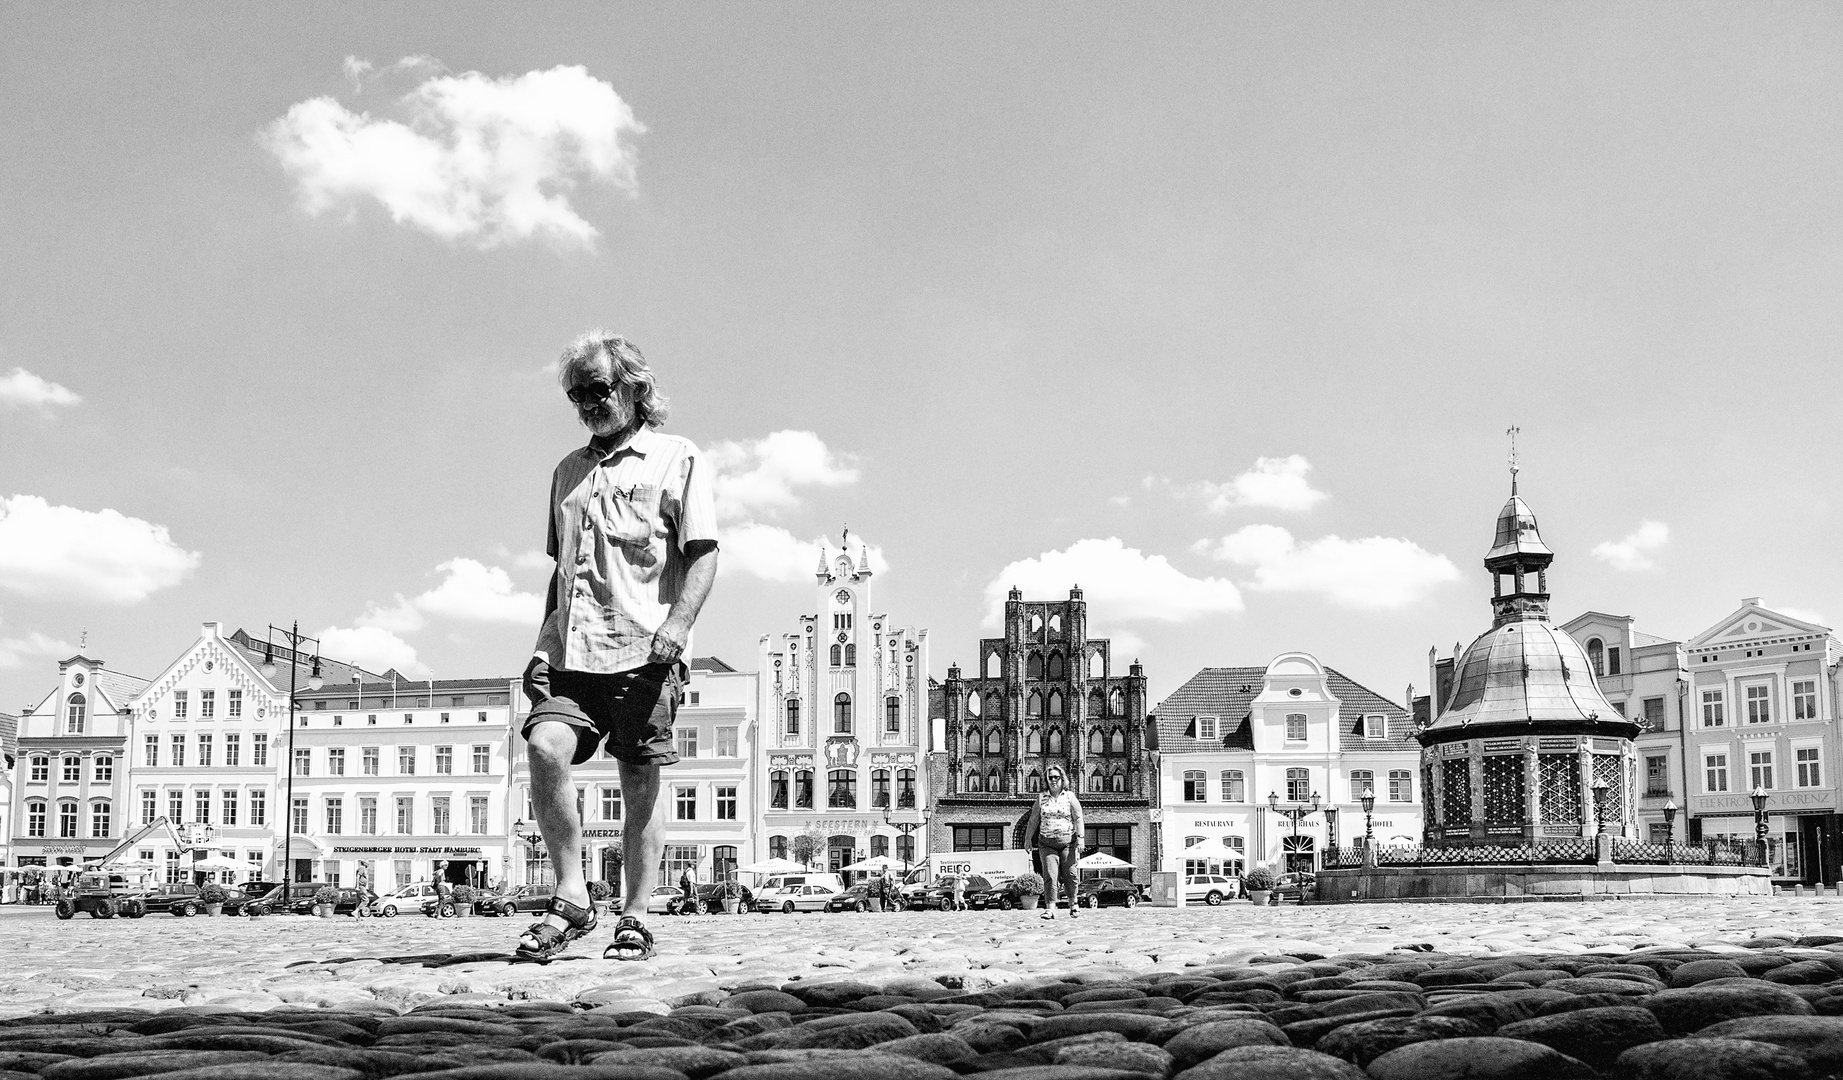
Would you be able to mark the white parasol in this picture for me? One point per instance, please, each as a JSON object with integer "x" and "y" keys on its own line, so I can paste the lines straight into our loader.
{"x": 774, "y": 866}
{"x": 1100, "y": 860}
{"x": 876, "y": 864}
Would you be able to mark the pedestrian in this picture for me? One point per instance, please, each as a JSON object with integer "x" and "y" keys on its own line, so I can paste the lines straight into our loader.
{"x": 1056, "y": 822}
{"x": 633, "y": 531}
{"x": 959, "y": 892}
{"x": 686, "y": 885}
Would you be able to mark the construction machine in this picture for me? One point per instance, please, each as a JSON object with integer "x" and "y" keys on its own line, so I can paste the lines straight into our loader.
{"x": 104, "y": 889}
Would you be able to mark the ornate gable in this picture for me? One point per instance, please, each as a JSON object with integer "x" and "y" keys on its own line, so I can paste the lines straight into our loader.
{"x": 1754, "y": 622}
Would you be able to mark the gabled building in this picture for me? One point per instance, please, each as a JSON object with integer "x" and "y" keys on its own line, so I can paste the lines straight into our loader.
{"x": 1045, "y": 694}
{"x": 68, "y": 795}
{"x": 9, "y": 754}
{"x": 1232, "y": 737}
{"x": 844, "y": 705}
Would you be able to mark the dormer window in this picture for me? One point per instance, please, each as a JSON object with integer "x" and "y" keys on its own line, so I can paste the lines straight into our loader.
{"x": 1375, "y": 727}
{"x": 1206, "y": 728}
{"x": 1295, "y": 727}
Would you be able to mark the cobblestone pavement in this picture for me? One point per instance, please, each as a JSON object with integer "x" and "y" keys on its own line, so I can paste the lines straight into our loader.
{"x": 1424, "y": 990}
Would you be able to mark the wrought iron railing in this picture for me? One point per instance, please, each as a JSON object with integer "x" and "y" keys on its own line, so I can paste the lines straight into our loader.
{"x": 1558, "y": 851}
{"x": 1717, "y": 852}
{"x": 1565, "y": 850}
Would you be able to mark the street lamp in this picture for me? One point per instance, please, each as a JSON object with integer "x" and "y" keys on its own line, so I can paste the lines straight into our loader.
{"x": 1759, "y": 819}
{"x": 907, "y": 827}
{"x": 1294, "y": 813}
{"x": 533, "y": 841}
{"x": 1600, "y": 787}
{"x": 1670, "y": 826}
{"x": 295, "y": 640}
{"x": 1330, "y": 828}
{"x": 1369, "y": 805}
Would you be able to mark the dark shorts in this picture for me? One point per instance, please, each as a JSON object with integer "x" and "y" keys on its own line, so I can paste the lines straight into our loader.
{"x": 630, "y": 711}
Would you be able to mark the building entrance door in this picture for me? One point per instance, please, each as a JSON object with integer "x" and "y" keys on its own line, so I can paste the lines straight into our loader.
{"x": 1299, "y": 854}
{"x": 841, "y": 851}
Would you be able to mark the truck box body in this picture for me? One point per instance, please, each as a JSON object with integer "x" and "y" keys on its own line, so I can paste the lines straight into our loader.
{"x": 997, "y": 866}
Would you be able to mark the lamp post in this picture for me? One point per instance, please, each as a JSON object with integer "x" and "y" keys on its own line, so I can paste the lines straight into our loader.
{"x": 295, "y": 640}
{"x": 907, "y": 827}
{"x": 1294, "y": 813}
{"x": 1759, "y": 819}
{"x": 532, "y": 840}
{"x": 1369, "y": 806}
{"x": 1600, "y": 787}
{"x": 1670, "y": 826}
{"x": 1330, "y": 828}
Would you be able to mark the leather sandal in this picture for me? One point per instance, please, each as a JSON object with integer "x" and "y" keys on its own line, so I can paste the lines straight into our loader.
{"x": 632, "y": 941}
{"x": 550, "y": 939}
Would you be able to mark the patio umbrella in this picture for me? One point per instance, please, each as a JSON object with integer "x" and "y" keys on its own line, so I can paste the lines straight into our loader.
{"x": 1210, "y": 848}
{"x": 774, "y": 866}
{"x": 1100, "y": 860}
{"x": 876, "y": 864}
{"x": 218, "y": 862}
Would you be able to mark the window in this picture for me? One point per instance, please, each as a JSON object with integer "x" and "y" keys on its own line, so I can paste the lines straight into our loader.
{"x": 233, "y": 704}
{"x": 1657, "y": 775}
{"x": 371, "y": 719}
{"x": 208, "y": 704}
{"x": 336, "y": 761}
{"x": 1760, "y": 769}
{"x": 476, "y": 815}
{"x": 1033, "y": 668}
{"x": 233, "y": 750}
{"x": 851, "y": 655}
{"x": 368, "y": 816}
{"x": 406, "y": 761}
{"x": 974, "y": 781}
{"x": 99, "y": 817}
{"x": 1206, "y": 728}
{"x": 35, "y": 817}
{"x": 298, "y": 812}
{"x": 777, "y": 847}
{"x": 227, "y": 806}
{"x": 176, "y": 805}
{"x": 978, "y": 837}
{"x": 793, "y": 716}
{"x": 726, "y": 804}
{"x": 150, "y": 755}
{"x": 841, "y": 714}
{"x": 1596, "y": 657}
{"x": 1234, "y": 788}
{"x": 1809, "y": 774}
{"x": 1619, "y": 706}
{"x": 777, "y": 789}
{"x": 726, "y": 742}
{"x": 259, "y": 749}
{"x": 1716, "y": 769}
{"x": 1295, "y": 727}
{"x": 406, "y": 814}
{"x": 201, "y": 806}
{"x": 1359, "y": 780}
{"x": 67, "y": 818}
{"x": 803, "y": 789}
{"x": 687, "y": 742}
{"x": 1097, "y": 780}
{"x": 1298, "y": 786}
{"x": 905, "y": 788}
{"x": 438, "y": 816}
{"x": 1033, "y": 781}
{"x": 1115, "y": 840}
{"x": 685, "y": 802}
{"x": 303, "y": 761}
{"x": 611, "y": 803}
{"x": 444, "y": 761}
{"x": 1401, "y": 785}
{"x": 1375, "y": 727}
{"x": 483, "y": 759}
{"x": 1759, "y": 705}
{"x": 480, "y": 717}
{"x": 335, "y": 815}
{"x": 880, "y": 787}
{"x": 409, "y": 718}
{"x": 179, "y": 750}
{"x": 842, "y": 789}
{"x": 1654, "y": 713}
{"x": 1804, "y": 700}
{"x": 1713, "y": 714}
{"x": 1053, "y": 744}
{"x": 1033, "y": 742}
{"x": 838, "y": 655}
{"x": 73, "y": 769}
{"x": 1034, "y": 707}
{"x": 150, "y": 806}
{"x": 179, "y": 704}
{"x": 1196, "y": 786}
{"x": 892, "y": 715}
{"x": 259, "y": 808}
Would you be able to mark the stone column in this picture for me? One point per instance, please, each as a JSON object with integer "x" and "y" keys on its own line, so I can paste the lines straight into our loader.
{"x": 1590, "y": 823}
{"x": 1532, "y": 791}
{"x": 1436, "y": 787}
{"x": 1475, "y": 776}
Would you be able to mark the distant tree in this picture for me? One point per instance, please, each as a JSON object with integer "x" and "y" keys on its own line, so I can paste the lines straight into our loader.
{"x": 807, "y": 846}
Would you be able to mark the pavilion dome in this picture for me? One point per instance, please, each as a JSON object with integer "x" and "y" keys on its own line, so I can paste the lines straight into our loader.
{"x": 1517, "y": 533}
{"x": 1525, "y": 677}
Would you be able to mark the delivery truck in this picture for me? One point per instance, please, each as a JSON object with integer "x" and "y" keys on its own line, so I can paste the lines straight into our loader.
{"x": 996, "y": 866}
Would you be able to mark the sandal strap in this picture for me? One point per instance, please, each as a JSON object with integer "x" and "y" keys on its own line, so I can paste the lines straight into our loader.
{"x": 578, "y": 917}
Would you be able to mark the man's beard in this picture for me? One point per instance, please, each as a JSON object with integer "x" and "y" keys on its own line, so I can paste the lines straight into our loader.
{"x": 607, "y": 418}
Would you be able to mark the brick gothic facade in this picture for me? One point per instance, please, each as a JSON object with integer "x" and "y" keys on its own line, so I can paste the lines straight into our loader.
{"x": 1045, "y": 693}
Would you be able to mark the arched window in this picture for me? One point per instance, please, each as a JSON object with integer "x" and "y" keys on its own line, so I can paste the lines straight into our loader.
{"x": 1033, "y": 741}
{"x": 1033, "y": 706}
{"x": 803, "y": 789}
{"x": 1033, "y": 668}
{"x": 905, "y": 788}
{"x": 842, "y": 789}
{"x": 1056, "y": 669}
{"x": 1119, "y": 782}
{"x": 1055, "y": 703}
{"x": 837, "y": 655}
{"x": 1097, "y": 782}
{"x": 1097, "y": 665}
{"x": 879, "y": 845}
{"x": 1596, "y": 656}
{"x": 1097, "y": 743}
{"x": 100, "y": 815}
{"x": 1053, "y": 744}
{"x": 1055, "y": 624}
{"x": 67, "y": 818}
{"x": 1033, "y": 781}
{"x": 994, "y": 666}
{"x": 841, "y": 714}
{"x": 995, "y": 743}
{"x": 973, "y": 741}
{"x": 73, "y": 715}
{"x": 777, "y": 847}
{"x": 880, "y": 787}
{"x": 972, "y": 703}
{"x": 1116, "y": 702}
{"x": 793, "y": 716}
{"x": 892, "y": 715}
{"x": 73, "y": 769}
{"x": 1117, "y": 743}
{"x": 992, "y": 782}
{"x": 974, "y": 782}
{"x": 851, "y": 655}
{"x": 1036, "y": 622}
{"x": 1097, "y": 705}
{"x": 103, "y": 769}
{"x": 35, "y": 817}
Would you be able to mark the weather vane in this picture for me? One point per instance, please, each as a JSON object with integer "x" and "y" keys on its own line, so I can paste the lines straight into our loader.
{"x": 1513, "y": 431}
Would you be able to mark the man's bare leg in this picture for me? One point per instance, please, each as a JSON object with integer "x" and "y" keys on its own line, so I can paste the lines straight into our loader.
{"x": 641, "y": 836}
{"x": 551, "y": 745}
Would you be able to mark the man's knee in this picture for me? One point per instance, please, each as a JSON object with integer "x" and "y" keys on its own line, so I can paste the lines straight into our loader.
{"x": 552, "y": 745}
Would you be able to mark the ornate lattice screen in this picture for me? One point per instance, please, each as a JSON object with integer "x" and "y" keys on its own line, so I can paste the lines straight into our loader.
{"x": 1608, "y": 769}
{"x": 1561, "y": 789}
{"x": 1456, "y": 793}
{"x": 1504, "y": 790}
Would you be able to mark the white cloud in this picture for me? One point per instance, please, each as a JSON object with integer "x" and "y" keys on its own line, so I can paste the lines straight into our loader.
{"x": 1272, "y": 484}
{"x": 772, "y": 553}
{"x": 372, "y": 648}
{"x": 1372, "y": 574}
{"x": 479, "y": 593}
{"x": 1119, "y": 583}
{"x": 1633, "y": 552}
{"x": 484, "y": 160}
{"x": 22, "y": 389}
{"x": 401, "y": 617}
{"x": 760, "y": 476}
{"x": 101, "y": 555}
{"x": 1127, "y": 647}
{"x": 533, "y": 560}
{"x": 17, "y": 652}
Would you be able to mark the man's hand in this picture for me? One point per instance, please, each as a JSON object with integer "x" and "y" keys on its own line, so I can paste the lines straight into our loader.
{"x": 537, "y": 680}
{"x": 669, "y": 642}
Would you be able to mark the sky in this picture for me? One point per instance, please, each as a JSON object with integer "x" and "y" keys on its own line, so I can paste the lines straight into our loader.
{"x": 1221, "y": 312}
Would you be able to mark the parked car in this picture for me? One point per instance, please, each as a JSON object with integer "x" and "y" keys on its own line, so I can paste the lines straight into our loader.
{"x": 1296, "y": 886}
{"x": 1108, "y": 892}
{"x": 856, "y": 898}
{"x": 799, "y": 898}
{"x": 1211, "y": 889}
{"x": 174, "y": 899}
{"x": 999, "y": 895}
{"x": 532, "y": 898}
{"x": 939, "y": 895}
{"x": 299, "y": 899}
{"x": 768, "y": 893}
{"x": 404, "y": 898}
{"x": 709, "y": 900}
{"x": 662, "y": 900}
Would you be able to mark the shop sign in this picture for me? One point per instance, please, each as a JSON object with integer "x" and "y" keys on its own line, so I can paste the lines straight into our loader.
{"x": 600, "y": 833}
{"x": 407, "y": 849}
{"x": 1778, "y": 802}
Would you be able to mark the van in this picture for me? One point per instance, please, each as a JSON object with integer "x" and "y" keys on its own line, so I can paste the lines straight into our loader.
{"x": 765, "y": 897}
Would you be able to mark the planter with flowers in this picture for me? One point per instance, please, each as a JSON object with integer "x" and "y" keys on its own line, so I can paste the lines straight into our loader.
{"x": 212, "y": 895}
{"x": 1029, "y": 889}
{"x": 1259, "y": 882}
{"x": 325, "y": 898}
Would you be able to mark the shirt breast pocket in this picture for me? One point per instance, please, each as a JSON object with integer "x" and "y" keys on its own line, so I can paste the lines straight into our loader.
{"x": 632, "y": 513}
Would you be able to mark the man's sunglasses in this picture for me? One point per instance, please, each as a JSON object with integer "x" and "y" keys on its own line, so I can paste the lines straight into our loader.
{"x": 596, "y": 391}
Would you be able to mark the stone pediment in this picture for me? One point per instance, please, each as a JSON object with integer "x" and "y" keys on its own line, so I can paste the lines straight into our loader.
{"x": 1751, "y": 623}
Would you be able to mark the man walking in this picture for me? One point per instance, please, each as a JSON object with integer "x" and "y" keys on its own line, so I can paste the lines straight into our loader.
{"x": 633, "y": 531}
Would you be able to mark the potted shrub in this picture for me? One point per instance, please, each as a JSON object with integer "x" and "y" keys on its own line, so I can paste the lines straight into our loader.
{"x": 464, "y": 897}
{"x": 212, "y": 895}
{"x": 324, "y": 898}
{"x": 731, "y": 897}
{"x": 1029, "y": 889}
{"x": 1259, "y": 883}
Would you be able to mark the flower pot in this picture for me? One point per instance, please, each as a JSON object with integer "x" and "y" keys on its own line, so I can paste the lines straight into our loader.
{"x": 462, "y": 910}
{"x": 325, "y": 911}
{"x": 1029, "y": 901}
{"x": 1260, "y": 896}
{"x": 876, "y": 903}
{"x": 730, "y": 904}
{"x": 214, "y": 909}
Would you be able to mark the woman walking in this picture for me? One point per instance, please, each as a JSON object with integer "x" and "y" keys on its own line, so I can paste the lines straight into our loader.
{"x": 1056, "y": 823}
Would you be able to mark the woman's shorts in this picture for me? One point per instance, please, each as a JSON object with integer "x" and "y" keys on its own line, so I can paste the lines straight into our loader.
{"x": 631, "y": 712}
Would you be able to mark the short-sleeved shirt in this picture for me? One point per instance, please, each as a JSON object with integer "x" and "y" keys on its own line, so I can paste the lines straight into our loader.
{"x": 1056, "y": 817}
{"x": 620, "y": 521}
